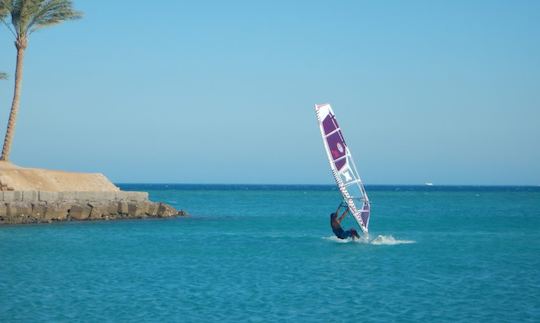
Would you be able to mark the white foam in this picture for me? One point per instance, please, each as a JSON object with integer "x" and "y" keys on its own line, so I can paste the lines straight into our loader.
{"x": 380, "y": 240}
{"x": 389, "y": 241}
{"x": 337, "y": 240}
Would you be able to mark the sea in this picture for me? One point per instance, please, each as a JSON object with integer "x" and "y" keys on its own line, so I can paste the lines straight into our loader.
{"x": 265, "y": 253}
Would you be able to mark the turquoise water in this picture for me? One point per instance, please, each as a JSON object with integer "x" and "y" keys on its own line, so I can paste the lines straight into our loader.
{"x": 265, "y": 253}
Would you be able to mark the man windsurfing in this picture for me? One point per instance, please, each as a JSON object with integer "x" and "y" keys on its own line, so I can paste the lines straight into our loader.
{"x": 335, "y": 223}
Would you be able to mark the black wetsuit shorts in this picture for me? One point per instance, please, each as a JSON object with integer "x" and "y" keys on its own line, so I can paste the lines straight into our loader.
{"x": 342, "y": 234}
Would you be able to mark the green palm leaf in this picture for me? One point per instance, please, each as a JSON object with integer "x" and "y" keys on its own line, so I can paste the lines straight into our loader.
{"x": 28, "y": 16}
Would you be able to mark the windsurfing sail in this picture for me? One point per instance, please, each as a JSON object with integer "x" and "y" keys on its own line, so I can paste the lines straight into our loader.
{"x": 343, "y": 166}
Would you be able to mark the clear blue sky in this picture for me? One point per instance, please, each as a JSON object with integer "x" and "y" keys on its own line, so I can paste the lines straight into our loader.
{"x": 223, "y": 91}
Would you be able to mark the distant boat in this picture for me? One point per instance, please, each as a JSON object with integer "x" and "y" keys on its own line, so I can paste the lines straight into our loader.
{"x": 429, "y": 184}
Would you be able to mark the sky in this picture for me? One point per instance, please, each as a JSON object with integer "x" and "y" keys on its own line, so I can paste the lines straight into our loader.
{"x": 223, "y": 91}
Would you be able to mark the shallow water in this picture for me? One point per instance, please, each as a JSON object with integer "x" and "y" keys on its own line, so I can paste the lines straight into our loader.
{"x": 265, "y": 253}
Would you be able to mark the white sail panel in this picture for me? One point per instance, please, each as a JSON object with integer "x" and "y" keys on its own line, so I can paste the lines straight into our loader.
{"x": 343, "y": 166}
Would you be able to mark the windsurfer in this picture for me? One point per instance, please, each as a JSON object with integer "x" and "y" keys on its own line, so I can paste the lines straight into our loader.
{"x": 335, "y": 223}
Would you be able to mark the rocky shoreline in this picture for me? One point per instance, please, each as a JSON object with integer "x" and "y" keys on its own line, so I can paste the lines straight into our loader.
{"x": 23, "y": 207}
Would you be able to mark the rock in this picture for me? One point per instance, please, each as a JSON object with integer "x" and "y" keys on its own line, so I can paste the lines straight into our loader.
{"x": 137, "y": 210}
{"x": 39, "y": 210}
{"x": 122, "y": 207}
{"x": 80, "y": 212}
{"x": 18, "y": 212}
{"x": 152, "y": 209}
{"x": 3, "y": 210}
{"x": 45, "y": 207}
{"x": 165, "y": 210}
{"x": 132, "y": 196}
{"x": 12, "y": 196}
{"x": 30, "y": 196}
{"x": 99, "y": 210}
{"x": 57, "y": 211}
{"x": 48, "y": 196}
{"x": 112, "y": 209}
{"x": 19, "y": 209}
{"x": 3, "y": 213}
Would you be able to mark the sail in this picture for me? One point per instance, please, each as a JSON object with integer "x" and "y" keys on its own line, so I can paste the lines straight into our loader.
{"x": 343, "y": 166}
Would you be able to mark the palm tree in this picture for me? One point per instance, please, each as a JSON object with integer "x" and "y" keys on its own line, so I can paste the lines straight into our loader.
{"x": 28, "y": 16}
{"x": 3, "y": 76}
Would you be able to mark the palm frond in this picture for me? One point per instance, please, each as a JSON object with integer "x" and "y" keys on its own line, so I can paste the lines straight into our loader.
{"x": 5, "y": 10}
{"x": 3, "y": 76}
{"x": 4, "y": 5}
{"x": 53, "y": 12}
{"x": 28, "y": 16}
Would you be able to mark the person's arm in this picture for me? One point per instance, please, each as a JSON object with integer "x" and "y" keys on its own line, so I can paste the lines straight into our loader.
{"x": 343, "y": 215}
{"x": 337, "y": 211}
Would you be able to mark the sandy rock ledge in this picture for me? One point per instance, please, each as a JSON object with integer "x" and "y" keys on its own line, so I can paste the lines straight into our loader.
{"x": 20, "y": 207}
{"x": 34, "y": 195}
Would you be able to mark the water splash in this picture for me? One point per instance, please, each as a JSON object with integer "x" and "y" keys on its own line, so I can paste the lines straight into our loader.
{"x": 337, "y": 240}
{"x": 380, "y": 240}
{"x": 389, "y": 241}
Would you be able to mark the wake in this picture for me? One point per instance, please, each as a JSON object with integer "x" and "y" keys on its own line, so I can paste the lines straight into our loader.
{"x": 389, "y": 241}
{"x": 380, "y": 240}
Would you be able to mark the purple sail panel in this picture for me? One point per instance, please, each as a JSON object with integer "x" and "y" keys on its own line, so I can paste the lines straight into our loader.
{"x": 340, "y": 163}
{"x": 365, "y": 214}
{"x": 337, "y": 148}
{"x": 329, "y": 124}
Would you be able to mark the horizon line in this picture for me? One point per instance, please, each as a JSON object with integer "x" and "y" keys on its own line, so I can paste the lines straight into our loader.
{"x": 299, "y": 184}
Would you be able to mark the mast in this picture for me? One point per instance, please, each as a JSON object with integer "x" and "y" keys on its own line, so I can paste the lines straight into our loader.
{"x": 343, "y": 166}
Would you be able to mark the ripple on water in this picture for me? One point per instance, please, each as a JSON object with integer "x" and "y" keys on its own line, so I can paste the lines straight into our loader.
{"x": 259, "y": 256}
